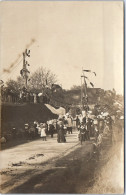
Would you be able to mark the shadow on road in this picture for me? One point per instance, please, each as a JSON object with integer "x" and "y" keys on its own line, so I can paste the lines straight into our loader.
{"x": 64, "y": 175}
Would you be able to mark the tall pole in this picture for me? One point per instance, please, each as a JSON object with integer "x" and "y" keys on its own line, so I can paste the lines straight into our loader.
{"x": 24, "y": 72}
{"x": 81, "y": 94}
{"x": 85, "y": 85}
{"x": 24, "y": 69}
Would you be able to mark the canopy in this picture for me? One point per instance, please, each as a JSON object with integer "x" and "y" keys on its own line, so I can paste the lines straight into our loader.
{"x": 60, "y": 111}
{"x": 52, "y": 109}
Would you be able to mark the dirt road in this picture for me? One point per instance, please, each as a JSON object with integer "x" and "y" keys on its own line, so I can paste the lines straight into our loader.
{"x": 51, "y": 167}
{"x": 40, "y": 166}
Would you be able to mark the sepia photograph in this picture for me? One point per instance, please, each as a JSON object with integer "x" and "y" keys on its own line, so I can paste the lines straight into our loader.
{"x": 62, "y": 97}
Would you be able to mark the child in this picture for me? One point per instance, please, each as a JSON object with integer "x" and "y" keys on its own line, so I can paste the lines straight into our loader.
{"x": 43, "y": 131}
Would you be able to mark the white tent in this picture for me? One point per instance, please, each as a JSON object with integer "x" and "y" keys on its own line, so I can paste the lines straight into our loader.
{"x": 60, "y": 111}
{"x": 52, "y": 109}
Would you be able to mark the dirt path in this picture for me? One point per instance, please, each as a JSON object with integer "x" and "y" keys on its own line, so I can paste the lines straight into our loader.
{"x": 50, "y": 167}
{"x": 61, "y": 175}
{"x": 21, "y": 163}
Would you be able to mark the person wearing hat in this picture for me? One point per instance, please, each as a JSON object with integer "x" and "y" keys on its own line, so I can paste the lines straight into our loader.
{"x": 60, "y": 132}
{"x": 26, "y": 127}
{"x": 77, "y": 122}
{"x": 51, "y": 129}
{"x": 82, "y": 132}
{"x": 36, "y": 128}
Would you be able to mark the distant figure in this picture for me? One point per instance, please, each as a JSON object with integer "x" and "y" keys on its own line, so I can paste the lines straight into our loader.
{"x": 60, "y": 132}
{"x": 69, "y": 125}
{"x": 51, "y": 129}
{"x": 32, "y": 132}
{"x": 36, "y": 128}
{"x": 26, "y": 127}
{"x": 14, "y": 132}
{"x": 82, "y": 133}
{"x": 35, "y": 98}
{"x": 77, "y": 122}
{"x": 88, "y": 127}
{"x": 43, "y": 131}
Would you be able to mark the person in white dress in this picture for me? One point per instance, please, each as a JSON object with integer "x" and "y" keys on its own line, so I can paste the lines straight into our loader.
{"x": 43, "y": 131}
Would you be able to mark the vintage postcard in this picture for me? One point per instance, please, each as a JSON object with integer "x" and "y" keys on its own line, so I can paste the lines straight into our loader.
{"x": 62, "y": 97}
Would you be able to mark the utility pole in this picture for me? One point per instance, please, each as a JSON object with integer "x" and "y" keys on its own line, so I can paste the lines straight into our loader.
{"x": 81, "y": 94}
{"x": 24, "y": 72}
{"x": 84, "y": 97}
{"x": 85, "y": 85}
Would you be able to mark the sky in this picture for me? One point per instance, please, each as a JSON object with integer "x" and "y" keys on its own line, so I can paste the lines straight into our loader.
{"x": 68, "y": 36}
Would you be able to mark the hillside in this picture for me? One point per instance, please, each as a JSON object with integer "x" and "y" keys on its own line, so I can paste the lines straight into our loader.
{"x": 16, "y": 115}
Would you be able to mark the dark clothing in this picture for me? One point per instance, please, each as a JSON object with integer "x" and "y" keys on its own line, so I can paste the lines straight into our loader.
{"x": 84, "y": 120}
{"x": 88, "y": 129}
{"x": 60, "y": 136}
{"x": 36, "y": 130}
{"x": 77, "y": 122}
{"x": 69, "y": 129}
{"x": 51, "y": 129}
{"x": 82, "y": 136}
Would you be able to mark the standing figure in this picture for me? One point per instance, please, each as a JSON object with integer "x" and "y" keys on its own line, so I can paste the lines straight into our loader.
{"x": 43, "y": 131}
{"x": 77, "y": 122}
{"x": 36, "y": 128}
{"x": 69, "y": 125}
{"x": 60, "y": 132}
{"x": 35, "y": 98}
{"x": 32, "y": 132}
{"x": 88, "y": 127}
{"x": 26, "y": 127}
{"x": 51, "y": 129}
{"x": 82, "y": 133}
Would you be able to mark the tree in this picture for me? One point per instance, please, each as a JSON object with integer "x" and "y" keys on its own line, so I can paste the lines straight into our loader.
{"x": 41, "y": 79}
{"x": 15, "y": 85}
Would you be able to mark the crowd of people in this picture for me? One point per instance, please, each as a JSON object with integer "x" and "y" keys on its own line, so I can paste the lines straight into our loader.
{"x": 23, "y": 96}
{"x": 61, "y": 126}
{"x": 95, "y": 126}
{"x": 86, "y": 125}
{"x": 34, "y": 130}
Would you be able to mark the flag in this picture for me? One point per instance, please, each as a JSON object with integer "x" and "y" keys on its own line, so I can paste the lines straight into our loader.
{"x": 94, "y": 73}
{"x": 90, "y": 71}
{"x": 87, "y": 70}
{"x": 91, "y": 84}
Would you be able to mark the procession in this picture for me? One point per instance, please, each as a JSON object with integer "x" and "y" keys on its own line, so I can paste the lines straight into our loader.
{"x": 87, "y": 126}
{"x": 65, "y": 122}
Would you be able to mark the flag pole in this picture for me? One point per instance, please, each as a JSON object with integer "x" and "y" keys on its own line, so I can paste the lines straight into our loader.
{"x": 85, "y": 87}
{"x": 81, "y": 94}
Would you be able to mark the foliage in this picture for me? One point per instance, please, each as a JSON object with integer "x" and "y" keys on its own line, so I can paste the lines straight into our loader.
{"x": 41, "y": 79}
{"x": 15, "y": 86}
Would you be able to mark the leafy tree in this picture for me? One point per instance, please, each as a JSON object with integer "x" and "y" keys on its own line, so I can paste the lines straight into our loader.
{"x": 41, "y": 79}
